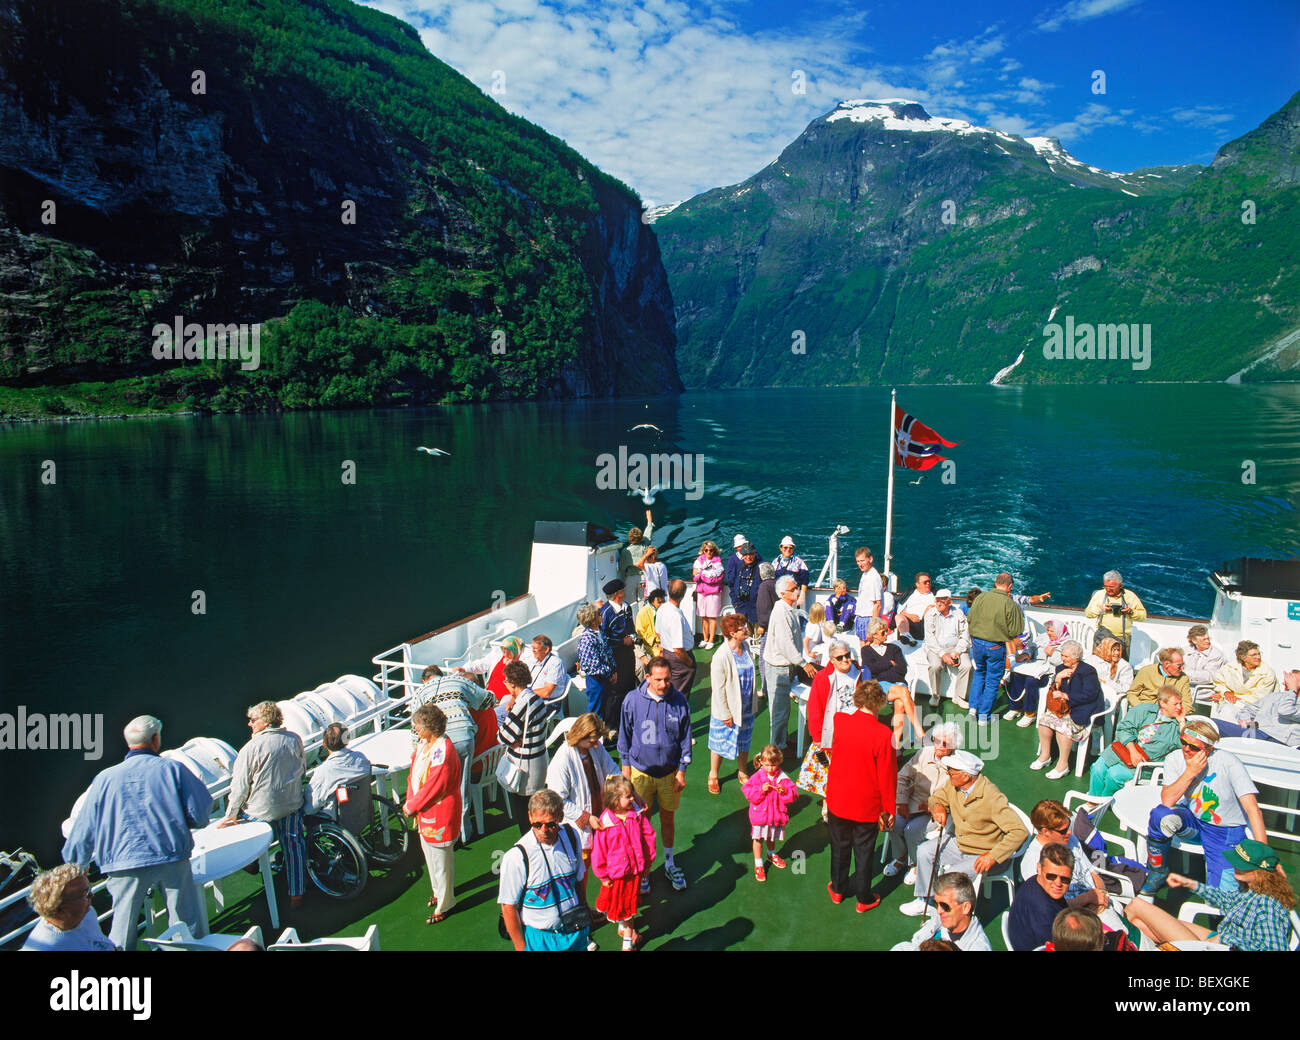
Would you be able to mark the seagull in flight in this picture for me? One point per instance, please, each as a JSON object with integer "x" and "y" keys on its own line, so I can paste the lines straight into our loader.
{"x": 645, "y": 426}
{"x": 917, "y": 480}
{"x": 648, "y": 497}
{"x": 433, "y": 451}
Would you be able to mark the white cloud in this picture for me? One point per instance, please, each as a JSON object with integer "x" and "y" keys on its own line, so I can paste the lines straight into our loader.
{"x": 1204, "y": 117}
{"x": 1082, "y": 11}
{"x": 1091, "y": 117}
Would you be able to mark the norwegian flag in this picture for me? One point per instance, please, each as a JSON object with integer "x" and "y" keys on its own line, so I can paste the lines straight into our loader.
{"x": 916, "y": 446}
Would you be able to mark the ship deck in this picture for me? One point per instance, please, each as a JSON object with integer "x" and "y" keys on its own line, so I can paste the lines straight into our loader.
{"x": 723, "y": 906}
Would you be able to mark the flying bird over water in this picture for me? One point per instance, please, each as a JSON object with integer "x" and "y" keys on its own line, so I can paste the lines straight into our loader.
{"x": 648, "y": 497}
{"x": 645, "y": 426}
{"x": 433, "y": 451}
{"x": 917, "y": 480}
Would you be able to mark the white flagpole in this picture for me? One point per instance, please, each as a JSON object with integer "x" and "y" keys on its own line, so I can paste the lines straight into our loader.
{"x": 889, "y": 498}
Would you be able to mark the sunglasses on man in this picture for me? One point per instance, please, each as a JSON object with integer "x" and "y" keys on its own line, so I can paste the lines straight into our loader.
{"x": 841, "y": 657}
{"x": 1055, "y": 877}
{"x": 546, "y": 825}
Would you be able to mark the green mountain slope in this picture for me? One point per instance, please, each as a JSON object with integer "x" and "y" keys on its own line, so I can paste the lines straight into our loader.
{"x": 202, "y": 160}
{"x": 888, "y": 246}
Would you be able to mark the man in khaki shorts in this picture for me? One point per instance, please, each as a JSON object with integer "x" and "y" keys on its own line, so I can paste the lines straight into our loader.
{"x": 654, "y": 745}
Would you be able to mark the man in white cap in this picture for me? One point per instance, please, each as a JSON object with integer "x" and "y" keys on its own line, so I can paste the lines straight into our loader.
{"x": 985, "y": 829}
{"x": 947, "y": 648}
{"x": 788, "y": 563}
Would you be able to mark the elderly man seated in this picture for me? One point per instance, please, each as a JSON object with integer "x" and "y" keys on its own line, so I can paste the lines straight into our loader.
{"x": 1077, "y": 930}
{"x": 342, "y": 766}
{"x": 947, "y": 648}
{"x": 1241, "y": 684}
{"x": 1165, "y": 670}
{"x": 1038, "y": 901}
{"x": 955, "y": 897}
{"x": 985, "y": 829}
{"x": 912, "y": 611}
{"x": 918, "y": 781}
{"x": 1275, "y": 718}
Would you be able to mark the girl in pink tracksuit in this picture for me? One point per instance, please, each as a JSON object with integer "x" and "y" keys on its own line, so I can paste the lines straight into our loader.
{"x": 622, "y": 849}
{"x": 770, "y": 793}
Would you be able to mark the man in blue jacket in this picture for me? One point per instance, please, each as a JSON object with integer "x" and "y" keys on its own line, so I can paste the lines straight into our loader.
{"x": 135, "y": 824}
{"x": 654, "y": 745}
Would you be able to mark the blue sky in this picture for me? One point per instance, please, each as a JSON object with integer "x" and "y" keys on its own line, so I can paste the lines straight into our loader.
{"x": 677, "y": 97}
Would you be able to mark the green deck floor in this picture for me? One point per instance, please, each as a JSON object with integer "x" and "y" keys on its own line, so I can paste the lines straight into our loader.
{"x": 723, "y": 906}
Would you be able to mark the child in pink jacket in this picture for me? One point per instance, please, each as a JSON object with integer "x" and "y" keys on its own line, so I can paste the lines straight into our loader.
{"x": 770, "y": 793}
{"x": 622, "y": 849}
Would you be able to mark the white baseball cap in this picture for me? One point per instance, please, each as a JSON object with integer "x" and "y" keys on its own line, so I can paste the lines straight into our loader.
{"x": 738, "y": 541}
{"x": 943, "y": 594}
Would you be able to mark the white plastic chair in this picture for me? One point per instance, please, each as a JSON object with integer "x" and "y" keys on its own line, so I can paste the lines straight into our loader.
{"x": 289, "y": 941}
{"x": 1007, "y": 875}
{"x": 487, "y": 762}
{"x": 1006, "y": 930}
{"x": 1190, "y": 911}
{"x": 561, "y": 728}
{"x": 179, "y": 938}
{"x": 1083, "y": 745}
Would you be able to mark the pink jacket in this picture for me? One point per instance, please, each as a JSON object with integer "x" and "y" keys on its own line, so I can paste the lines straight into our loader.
{"x": 769, "y": 809}
{"x": 622, "y": 848}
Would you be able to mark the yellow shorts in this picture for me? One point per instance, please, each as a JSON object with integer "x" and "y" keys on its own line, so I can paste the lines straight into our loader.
{"x": 646, "y": 787}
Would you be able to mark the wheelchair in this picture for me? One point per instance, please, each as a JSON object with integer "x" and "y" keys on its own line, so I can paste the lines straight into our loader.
{"x": 364, "y": 829}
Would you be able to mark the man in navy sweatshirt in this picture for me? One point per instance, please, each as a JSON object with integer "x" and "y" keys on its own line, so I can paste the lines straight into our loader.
{"x": 654, "y": 746}
{"x": 1040, "y": 899}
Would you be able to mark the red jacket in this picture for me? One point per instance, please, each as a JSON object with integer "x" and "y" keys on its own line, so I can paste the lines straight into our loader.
{"x": 497, "y": 680}
{"x": 486, "y": 738}
{"x": 818, "y": 695}
{"x": 863, "y": 776}
{"x": 433, "y": 792}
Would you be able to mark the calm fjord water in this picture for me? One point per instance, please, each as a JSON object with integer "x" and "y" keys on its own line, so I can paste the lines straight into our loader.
{"x": 306, "y": 578}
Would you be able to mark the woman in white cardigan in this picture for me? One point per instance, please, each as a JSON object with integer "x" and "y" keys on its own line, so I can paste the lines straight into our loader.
{"x": 578, "y": 772}
{"x": 731, "y": 718}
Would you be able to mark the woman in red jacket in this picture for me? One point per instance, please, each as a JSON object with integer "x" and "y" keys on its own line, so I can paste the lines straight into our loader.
{"x": 860, "y": 792}
{"x": 433, "y": 795}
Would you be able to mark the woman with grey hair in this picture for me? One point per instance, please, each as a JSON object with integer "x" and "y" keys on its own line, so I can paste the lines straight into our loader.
{"x": 918, "y": 781}
{"x": 68, "y": 924}
{"x": 267, "y": 781}
{"x": 1202, "y": 659}
{"x": 596, "y": 657}
{"x": 1066, "y": 712}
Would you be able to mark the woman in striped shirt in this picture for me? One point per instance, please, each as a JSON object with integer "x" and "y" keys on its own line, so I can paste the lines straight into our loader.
{"x": 523, "y": 731}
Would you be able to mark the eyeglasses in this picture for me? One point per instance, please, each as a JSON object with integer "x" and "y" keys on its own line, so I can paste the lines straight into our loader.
{"x": 1055, "y": 877}
{"x": 945, "y": 907}
{"x": 1058, "y": 830}
{"x": 1192, "y": 747}
{"x": 841, "y": 657}
{"x": 547, "y": 826}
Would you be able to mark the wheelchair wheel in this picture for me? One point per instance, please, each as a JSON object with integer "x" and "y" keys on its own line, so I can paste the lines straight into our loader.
{"x": 336, "y": 863}
{"x": 387, "y": 838}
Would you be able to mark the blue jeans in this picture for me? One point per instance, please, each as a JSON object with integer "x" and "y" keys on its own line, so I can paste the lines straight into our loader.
{"x": 536, "y": 939}
{"x": 1214, "y": 839}
{"x": 1022, "y": 692}
{"x": 989, "y": 660}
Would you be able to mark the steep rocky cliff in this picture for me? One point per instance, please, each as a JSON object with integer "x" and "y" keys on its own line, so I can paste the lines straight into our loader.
{"x": 243, "y": 162}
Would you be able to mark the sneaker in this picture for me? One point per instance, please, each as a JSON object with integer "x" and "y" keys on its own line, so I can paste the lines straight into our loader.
{"x": 935, "y": 700}
{"x": 835, "y": 896}
{"x": 1039, "y": 763}
{"x": 893, "y": 867}
{"x": 916, "y": 908}
{"x": 674, "y": 874}
{"x": 1027, "y": 721}
{"x": 862, "y": 908}
{"x": 961, "y": 703}
{"x": 1056, "y": 774}
{"x": 1010, "y": 716}
{"x": 972, "y": 713}
{"x": 592, "y": 946}
{"x": 1154, "y": 883}
{"x": 645, "y": 885}
{"x": 910, "y": 877}
{"x": 776, "y": 861}
{"x": 907, "y": 640}
{"x": 760, "y": 874}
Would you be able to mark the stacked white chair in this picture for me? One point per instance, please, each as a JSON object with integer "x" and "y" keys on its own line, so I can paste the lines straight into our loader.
{"x": 289, "y": 942}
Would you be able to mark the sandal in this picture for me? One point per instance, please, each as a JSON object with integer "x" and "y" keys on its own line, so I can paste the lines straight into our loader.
{"x": 435, "y": 918}
{"x": 742, "y": 777}
{"x": 714, "y": 787}
{"x": 431, "y": 903}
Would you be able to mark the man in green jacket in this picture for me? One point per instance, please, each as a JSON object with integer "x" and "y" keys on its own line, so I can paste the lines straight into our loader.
{"x": 995, "y": 624}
